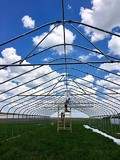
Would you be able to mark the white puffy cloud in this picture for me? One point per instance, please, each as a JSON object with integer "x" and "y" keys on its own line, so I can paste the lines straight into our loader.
{"x": 28, "y": 22}
{"x": 100, "y": 56}
{"x": 3, "y": 96}
{"x": 108, "y": 84}
{"x": 96, "y": 54}
{"x": 87, "y": 81}
{"x": 111, "y": 66}
{"x": 7, "y": 86}
{"x": 9, "y": 55}
{"x": 47, "y": 59}
{"x": 3, "y": 75}
{"x": 110, "y": 87}
{"x": 89, "y": 78}
{"x": 69, "y": 7}
{"x": 84, "y": 58}
{"x": 55, "y": 38}
{"x": 104, "y": 14}
{"x": 86, "y": 86}
{"x": 114, "y": 45}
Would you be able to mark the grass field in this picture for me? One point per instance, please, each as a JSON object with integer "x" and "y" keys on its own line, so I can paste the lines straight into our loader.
{"x": 42, "y": 142}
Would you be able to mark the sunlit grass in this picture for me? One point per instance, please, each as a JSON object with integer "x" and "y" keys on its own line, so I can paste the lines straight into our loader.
{"x": 44, "y": 143}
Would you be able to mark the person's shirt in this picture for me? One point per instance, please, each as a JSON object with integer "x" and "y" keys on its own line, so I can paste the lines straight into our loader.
{"x": 67, "y": 101}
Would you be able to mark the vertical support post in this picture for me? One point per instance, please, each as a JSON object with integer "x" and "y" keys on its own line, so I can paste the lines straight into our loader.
{"x": 58, "y": 120}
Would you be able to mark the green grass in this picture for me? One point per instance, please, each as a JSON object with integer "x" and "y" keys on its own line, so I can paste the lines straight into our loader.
{"x": 44, "y": 143}
{"x": 12, "y": 129}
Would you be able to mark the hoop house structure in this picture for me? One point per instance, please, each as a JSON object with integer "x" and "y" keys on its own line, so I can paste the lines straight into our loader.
{"x": 61, "y": 62}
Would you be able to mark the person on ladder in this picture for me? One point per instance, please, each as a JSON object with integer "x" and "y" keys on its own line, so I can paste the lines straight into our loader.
{"x": 67, "y": 104}
{"x": 62, "y": 116}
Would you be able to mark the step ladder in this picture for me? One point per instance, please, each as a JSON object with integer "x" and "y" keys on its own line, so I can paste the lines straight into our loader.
{"x": 64, "y": 119}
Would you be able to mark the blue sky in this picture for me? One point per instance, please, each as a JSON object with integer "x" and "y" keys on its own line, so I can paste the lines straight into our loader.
{"x": 18, "y": 17}
{"x": 40, "y": 11}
